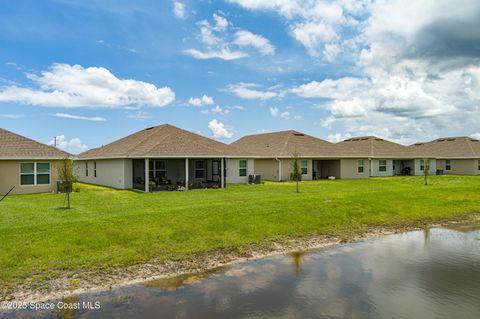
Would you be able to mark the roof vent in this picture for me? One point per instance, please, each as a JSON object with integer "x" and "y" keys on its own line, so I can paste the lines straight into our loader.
{"x": 441, "y": 140}
{"x": 450, "y": 139}
{"x": 298, "y": 134}
{"x": 378, "y": 139}
{"x": 364, "y": 139}
{"x": 148, "y": 129}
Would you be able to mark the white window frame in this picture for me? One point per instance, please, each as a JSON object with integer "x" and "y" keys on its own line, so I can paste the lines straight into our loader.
{"x": 35, "y": 173}
{"x": 362, "y": 166}
{"x": 240, "y": 168}
{"x": 304, "y": 167}
{"x": 449, "y": 165}
{"x": 380, "y": 165}
{"x": 424, "y": 164}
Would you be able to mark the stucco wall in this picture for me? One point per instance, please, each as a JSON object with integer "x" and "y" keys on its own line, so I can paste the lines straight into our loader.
{"x": 287, "y": 167}
{"x": 233, "y": 171}
{"x": 459, "y": 167}
{"x": 418, "y": 172}
{"x": 10, "y": 176}
{"x": 116, "y": 173}
{"x": 349, "y": 168}
{"x": 267, "y": 168}
{"x": 374, "y": 168}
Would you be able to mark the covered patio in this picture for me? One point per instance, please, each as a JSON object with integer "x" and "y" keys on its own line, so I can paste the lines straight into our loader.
{"x": 173, "y": 173}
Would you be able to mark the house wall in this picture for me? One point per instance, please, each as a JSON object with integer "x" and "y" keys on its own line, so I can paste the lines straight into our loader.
{"x": 233, "y": 171}
{"x": 329, "y": 168}
{"x": 349, "y": 168}
{"x": 418, "y": 172}
{"x": 287, "y": 167}
{"x": 267, "y": 168}
{"x": 374, "y": 168}
{"x": 116, "y": 173}
{"x": 10, "y": 176}
{"x": 459, "y": 167}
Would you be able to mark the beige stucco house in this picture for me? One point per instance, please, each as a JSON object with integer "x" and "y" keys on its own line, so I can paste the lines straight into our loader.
{"x": 387, "y": 158}
{"x": 454, "y": 155}
{"x": 26, "y": 165}
{"x": 318, "y": 159}
{"x": 167, "y": 156}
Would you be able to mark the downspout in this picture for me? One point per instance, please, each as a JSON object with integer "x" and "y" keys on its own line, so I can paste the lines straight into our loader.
{"x": 279, "y": 169}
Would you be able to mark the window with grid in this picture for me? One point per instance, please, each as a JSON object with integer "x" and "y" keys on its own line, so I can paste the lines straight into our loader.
{"x": 304, "y": 167}
{"x": 242, "y": 168}
{"x": 448, "y": 165}
{"x": 34, "y": 174}
{"x": 360, "y": 166}
{"x": 382, "y": 165}
{"x": 199, "y": 169}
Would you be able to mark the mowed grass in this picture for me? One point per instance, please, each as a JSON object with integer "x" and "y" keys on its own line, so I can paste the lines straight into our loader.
{"x": 109, "y": 228}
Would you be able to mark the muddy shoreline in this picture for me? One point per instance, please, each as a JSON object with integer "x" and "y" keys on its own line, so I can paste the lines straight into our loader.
{"x": 86, "y": 282}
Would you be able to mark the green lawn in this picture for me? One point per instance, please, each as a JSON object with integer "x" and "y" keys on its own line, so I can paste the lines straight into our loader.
{"x": 110, "y": 228}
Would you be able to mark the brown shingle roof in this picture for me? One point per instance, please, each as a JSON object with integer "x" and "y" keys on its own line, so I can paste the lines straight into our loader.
{"x": 449, "y": 147}
{"x": 375, "y": 147}
{"x": 163, "y": 140}
{"x": 14, "y": 146}
{"x": 285, "y": 144}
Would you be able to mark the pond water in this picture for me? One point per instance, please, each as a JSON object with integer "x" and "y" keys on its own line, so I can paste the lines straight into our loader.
{"x": 421, "y": 274}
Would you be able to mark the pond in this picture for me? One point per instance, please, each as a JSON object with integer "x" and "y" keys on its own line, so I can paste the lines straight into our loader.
{"x": 433, "y": 273}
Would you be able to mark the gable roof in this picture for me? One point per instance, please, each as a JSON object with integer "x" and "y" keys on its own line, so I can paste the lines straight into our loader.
{"x": 285, "y": 144}
{"x": 162, "y": 141}
{"x": 449, "y": 147}
{"x": 14, "y": 146}
{"x": 372, "y": 146}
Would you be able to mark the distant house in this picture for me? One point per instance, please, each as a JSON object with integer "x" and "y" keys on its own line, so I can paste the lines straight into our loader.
{"x": 454, "y": 155}
{"x": 318, "y": 158}
{"x": 164, "y": 156}
{"x": 387, "y": 158}
{"x": 27, "y": 165}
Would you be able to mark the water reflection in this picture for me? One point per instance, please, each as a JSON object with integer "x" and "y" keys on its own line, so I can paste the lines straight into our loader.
{"x": 434, "y": 273}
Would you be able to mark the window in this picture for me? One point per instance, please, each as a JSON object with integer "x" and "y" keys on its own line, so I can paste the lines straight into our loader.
{"x": 199, "y": 169}
{"x": 34, "y": 173}
{"x": 448, "y": 165}
{"x": 382, "y": 165}
{"x": 157, "y": 169}
{"x": 360, "y": 166}
{"x": 242, "y": 168}
{"x": 478, "y": 164}
{"x": 424, "y": 165}
{"x": 304, "y": 167}
{"x": 94, "y": 169}
{"x": 86, "y": 169}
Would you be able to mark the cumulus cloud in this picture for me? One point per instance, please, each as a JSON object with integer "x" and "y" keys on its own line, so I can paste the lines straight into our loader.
{"x": 245, "y": 38}
{"x": 274, "y": 111}
{"x": 139, "y": 115}
{"x": 64, "y": 85}
{"x": 246, "y": 91}
{"x": 11, "y": 116}
{"x": 200, "y": 101}
{"x": 219, "y": 41}
{"x": 216, "y": 110}
{"x": 80, "y": 117}
{"x": 219, "y": 130}
{"x": 70, "y": 145}
{"x": 179, "y": 10}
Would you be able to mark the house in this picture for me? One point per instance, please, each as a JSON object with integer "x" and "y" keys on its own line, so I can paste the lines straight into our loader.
{"x": 387, "y": 158}
{"x": 454, "y": 155}
{"x": 167, "y": 156}
{"x": 318, "y": 159}
{"x": 27, "y": 165}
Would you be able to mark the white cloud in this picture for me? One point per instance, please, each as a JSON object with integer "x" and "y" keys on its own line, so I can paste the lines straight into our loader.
{"x": 297, "y": 117}
{"x": 245, "y": 38}
{"x": 285, "y": 115}
{"x": 475, "y": 135}
{"x": 139, "y": 115}
{"x": 66, "y": 85}
{"x": 274, "y": 111}
{"x": 312, "y": 35}
{"x": 200, "y": 101}
{"x": 80, "y": 117}
{"x": 335, "y": 138}
{"x": 216, "y": 110}
{"x": 245, "y": 91}
{"x": 218, "y": 43}
{"x": 11, "y": 116}
{"x": 72, "y": 145}
{"x": 179, "y": 10}
{"x": 219, "y": 130}
{"x": 224, "y": 54}
{"x": 328, "y": 122}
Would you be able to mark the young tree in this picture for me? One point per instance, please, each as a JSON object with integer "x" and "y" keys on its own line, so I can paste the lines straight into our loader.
{"x": 296, "y": 174}
{"x": 426, "y": 169}
{"x": 66, "y": 176}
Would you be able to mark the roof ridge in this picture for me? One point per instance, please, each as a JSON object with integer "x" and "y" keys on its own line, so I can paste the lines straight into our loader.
{"x": 286, "y": 142}
{"x": 470, "y": 146}
{"x": 36, "y": 142}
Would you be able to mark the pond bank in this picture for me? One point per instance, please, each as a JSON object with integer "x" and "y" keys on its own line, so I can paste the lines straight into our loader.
{"x": 79, "y": 283}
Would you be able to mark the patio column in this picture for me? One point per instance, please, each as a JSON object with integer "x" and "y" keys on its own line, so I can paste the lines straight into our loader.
{"x": 147, "y": 178}
{"x": 222, "y": 173}
{"x": 186, "y": 173}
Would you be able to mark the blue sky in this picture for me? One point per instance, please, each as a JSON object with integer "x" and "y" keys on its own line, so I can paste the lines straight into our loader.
{"x": 93, "y": 72}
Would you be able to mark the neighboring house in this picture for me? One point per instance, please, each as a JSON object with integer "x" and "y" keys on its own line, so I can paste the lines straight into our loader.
{"x": 387, "y": 158}
{"x": 27, "y": 165}
{"x": 166, "y": 155}
{"x": 318, "y": 159}
{"x": 454, "y": 155}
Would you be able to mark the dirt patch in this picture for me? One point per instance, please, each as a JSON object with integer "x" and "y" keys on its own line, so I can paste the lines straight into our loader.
{"x": 77, "y": 283}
